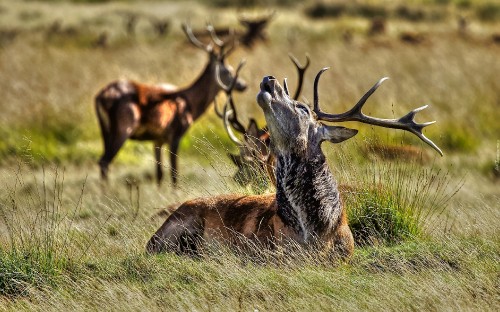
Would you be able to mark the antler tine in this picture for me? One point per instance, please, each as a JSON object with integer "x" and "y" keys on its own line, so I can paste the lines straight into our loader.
{"x": 232, "y": 136}
{"x": 197, "y": 43}
{"x": 365, "y": 97}
{"x": 285, "y": 86}
{"x": 216, "y": 108}
{"x": 406, "y": 122}
{"x": 232, "y": 47}
{"x": 300, "y": 68}
{"x": 416, "y": 128}
{"x": 221, "y": 84}
{"x": 230, "y": 87}
{"x": 301, "y": 71}
{"x": 316, "y": 95}
{"x": 213, "y": 35}
{"x": 232, "y": 117}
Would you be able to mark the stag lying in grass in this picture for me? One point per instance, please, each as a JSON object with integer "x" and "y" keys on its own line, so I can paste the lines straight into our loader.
{"x": 132, "y": 110}
{"x": 306, "y": 208}
{"x": 255, "y": 156}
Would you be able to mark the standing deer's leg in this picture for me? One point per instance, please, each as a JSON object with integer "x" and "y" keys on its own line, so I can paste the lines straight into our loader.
{"x": 103, "y": 163}
{"x": 103, "y": 117}
{"x": 122, "y": 122}
{"x": 159, "y": 169}
{"x": 174, "y": 147}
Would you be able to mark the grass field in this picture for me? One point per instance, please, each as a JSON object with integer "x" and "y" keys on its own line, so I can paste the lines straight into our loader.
{"x": 427, "y": 227}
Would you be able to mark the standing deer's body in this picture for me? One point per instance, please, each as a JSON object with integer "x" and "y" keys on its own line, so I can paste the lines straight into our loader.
{"x": 131, "y": 110}
{"x": 307, "y": 205}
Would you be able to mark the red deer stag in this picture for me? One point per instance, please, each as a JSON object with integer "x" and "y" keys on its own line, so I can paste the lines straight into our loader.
{"x": 255, "y": 154}
{"x": 307, "y": 206}
{"x": 131, "y": 110}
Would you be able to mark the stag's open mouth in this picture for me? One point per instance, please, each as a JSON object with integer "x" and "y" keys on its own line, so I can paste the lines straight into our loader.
{"x": 267, "y": 88}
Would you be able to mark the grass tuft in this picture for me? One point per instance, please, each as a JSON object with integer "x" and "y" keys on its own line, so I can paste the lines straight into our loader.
{"x": 391, "y": 202}
{"x": 40, "y": 240}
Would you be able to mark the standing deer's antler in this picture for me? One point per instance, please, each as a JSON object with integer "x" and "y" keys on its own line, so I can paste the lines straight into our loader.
{"x": 221, "y": 43}
{"x": 406, "y": 122}
{"x": 211, "y": 30}
{"x": 229, "y": 112}
{"x": 197, "y": 43}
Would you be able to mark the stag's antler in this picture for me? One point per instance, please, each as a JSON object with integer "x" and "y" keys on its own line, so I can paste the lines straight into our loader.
{"x": 221, "y": 43}
{"x": 211, "y": 30}
{"x": 406, "y": 122}
{"x": 197, "y": 43}
{"x": 229, "y": 112}
{"x": 301, "y": 71}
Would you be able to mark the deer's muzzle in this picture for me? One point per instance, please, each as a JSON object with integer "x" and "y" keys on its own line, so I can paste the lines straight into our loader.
{"x": 271, "y": 91}
{"x": 265, "y": 96}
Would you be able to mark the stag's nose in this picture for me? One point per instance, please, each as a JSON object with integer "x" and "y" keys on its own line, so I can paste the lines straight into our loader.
{"x": 266, "y": 83}
{"x": 268, "y": 78}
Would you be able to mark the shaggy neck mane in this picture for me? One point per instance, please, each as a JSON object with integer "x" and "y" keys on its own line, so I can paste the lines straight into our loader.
{"x": 307, "y": 195}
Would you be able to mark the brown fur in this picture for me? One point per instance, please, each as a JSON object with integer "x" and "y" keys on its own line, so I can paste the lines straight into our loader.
{"x": 229, "y": 217}
{"x": 162, "y": 113}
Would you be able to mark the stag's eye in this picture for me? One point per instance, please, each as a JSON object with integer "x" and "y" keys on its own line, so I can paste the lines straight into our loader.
{"x": 301, "y": 108}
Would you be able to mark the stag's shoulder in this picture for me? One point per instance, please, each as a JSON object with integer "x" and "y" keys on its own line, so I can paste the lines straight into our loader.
{"x": 241, "y": 199}
{"x": 233, "y": 201}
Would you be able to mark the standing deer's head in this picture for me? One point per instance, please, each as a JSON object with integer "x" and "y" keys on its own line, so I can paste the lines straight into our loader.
{"x": 217, "y": 56}
{"x": 296, "y": 129}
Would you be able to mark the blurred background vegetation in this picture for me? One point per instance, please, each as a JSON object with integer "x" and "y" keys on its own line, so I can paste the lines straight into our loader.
{"x": 426, "y": 226}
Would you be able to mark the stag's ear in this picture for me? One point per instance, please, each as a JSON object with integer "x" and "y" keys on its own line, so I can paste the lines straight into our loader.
{"x": 253, "y": 129}
{"x": 336, "y": 134}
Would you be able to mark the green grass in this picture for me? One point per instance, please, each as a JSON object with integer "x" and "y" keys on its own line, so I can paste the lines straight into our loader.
{"x": 69, "y": 242}
{"x": 394, "y": 201}
{"x": 489, "y": 12}
{"x": 37, "y": 250}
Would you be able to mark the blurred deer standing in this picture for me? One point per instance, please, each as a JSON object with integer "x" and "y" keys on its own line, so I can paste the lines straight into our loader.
{"x": 162, "y": 114}
{"x": 254, "y": 30}
{"x": 307, "y": 207}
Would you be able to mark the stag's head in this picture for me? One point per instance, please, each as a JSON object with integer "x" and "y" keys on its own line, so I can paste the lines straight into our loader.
{"x": 297, "y": 129}
{"x": 255, "y": 157}
{"x": 293, "y": 126}
{"x": 217, "y": 50}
